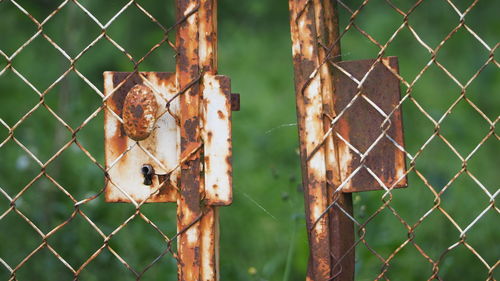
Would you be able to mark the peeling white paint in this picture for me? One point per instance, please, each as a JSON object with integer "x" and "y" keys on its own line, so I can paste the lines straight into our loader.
{"x": 217, "y": 140}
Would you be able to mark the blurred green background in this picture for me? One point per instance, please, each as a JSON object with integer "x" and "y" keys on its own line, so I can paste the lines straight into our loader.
{"x": 263, "y": 233}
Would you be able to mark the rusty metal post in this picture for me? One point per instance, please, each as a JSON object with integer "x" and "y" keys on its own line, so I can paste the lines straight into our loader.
{"x": 188, "y": 203}
{"x": 341, "y": 226}
{"x": 197, "y": 55}
{"x": 315, "y": 39}
{"x": 310, "y": 115}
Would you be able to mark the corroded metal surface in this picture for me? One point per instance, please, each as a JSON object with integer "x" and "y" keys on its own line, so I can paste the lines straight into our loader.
{"x": 341, "y": 227}
{"x": 188, "y": 203}
{"x": 351, "y": 151}
{"x": 125, "y": 157}
{"x": 197, "y": 108}
{"x": 209, "y": 226}
{"x": 209, "y": 244}
{"x": 363, "y": 124}
{"x": 315, "y": 39}
{"x": 139, "y": 112}
{"x": 310, "y": 122}
{"x": 17, "y": 201}
{"x": 217, "y": 140}
{"x": 235, "y": 102}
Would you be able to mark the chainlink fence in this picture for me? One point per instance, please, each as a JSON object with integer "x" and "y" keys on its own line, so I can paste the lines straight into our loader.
{"x": 54, "y": 222}
{"x": 437, "y": 227}
{"x": 51, "y": 226}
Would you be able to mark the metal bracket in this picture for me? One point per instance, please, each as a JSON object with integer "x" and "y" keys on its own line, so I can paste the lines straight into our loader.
{"x": 148, "y": 169}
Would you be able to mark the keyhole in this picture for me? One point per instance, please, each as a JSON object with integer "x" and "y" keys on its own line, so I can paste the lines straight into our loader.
{"x": 148, "y": 172}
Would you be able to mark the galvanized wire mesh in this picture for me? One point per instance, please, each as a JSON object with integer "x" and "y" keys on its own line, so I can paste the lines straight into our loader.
{"x": 392, "y": 225}
{"x": 73, "y": 39}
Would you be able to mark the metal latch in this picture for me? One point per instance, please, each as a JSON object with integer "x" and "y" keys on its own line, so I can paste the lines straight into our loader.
{"x": 142, "y": 137}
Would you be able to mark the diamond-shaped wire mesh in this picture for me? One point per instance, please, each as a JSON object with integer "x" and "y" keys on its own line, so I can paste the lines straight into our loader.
{"x": 431, "y": 228}
{"x": 50, "y": 124}
{"x": 446, "y": 73}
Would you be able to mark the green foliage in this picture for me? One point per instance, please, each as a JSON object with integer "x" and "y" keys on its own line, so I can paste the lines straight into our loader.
{"x": 263, "y": 233}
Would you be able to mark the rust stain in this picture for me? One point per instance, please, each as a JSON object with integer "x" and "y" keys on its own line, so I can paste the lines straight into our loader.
{"x": 190, "y": 129}
{"x": 187, "y": 70}
{"x": 207, "y": 162}
{"x": 209, "y": 137}
{"x": 166, "y": 191}
{"x": 119, "y": 95}
{"x": 165, "y": 78}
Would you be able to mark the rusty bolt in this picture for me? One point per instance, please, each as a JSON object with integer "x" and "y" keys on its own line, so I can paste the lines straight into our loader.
{"x": 139, "y": 112}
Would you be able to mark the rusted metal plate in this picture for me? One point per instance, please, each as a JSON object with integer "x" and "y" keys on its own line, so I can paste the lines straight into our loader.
{"x": 362, "y": 124}
{"x": 124, "y": 157}
{"x": 217, "y": 139}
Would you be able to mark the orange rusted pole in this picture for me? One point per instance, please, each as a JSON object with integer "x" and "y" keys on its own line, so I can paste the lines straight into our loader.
{"x": 314, "y": 28}
{"x": 341, "y": 226}
{"x": 188, "y": 202}
{"x": 197, "y": 47}
{"x": 310, "y": 123}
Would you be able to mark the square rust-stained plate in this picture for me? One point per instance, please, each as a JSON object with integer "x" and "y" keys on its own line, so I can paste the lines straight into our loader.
{"x": 124, "y": 157}
{"x": 361, "y": 125}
